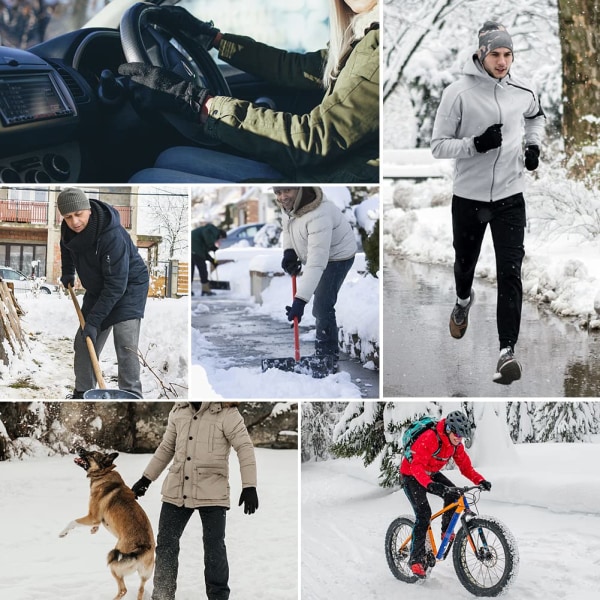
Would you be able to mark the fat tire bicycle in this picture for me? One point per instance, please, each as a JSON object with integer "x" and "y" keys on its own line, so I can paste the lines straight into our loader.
{"x": 484, "y": 551}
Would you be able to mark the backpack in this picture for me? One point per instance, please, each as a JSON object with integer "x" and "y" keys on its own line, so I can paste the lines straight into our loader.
{"x": 414, "y": 430}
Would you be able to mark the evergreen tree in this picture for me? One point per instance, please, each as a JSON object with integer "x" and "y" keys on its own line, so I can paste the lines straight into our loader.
{"x": 318, "y": 421}
{"x": 566, "y": 421}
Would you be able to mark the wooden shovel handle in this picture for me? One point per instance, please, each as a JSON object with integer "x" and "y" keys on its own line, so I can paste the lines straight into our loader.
{"x": 90, "y": 344}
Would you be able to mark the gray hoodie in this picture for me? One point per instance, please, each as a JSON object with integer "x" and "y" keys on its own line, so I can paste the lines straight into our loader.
{"x": 468, "y": 107}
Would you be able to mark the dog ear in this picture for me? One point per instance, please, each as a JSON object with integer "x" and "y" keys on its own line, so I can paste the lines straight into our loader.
{"x": 111, "y": 457}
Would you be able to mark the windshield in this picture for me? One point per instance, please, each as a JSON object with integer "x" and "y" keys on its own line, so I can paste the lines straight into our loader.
{"x": 300, "y": 25}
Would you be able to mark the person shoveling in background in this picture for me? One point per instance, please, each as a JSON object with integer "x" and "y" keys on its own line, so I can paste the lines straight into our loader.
{"x": 319, "y": 242}
{"x": 205, "y": 239}
{"x": 97, "y": 247}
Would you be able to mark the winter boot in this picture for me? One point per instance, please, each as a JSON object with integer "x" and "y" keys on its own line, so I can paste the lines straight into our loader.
{"x": 508, "y": 368}
{"x": 459, "y": 319}
{"x": 418, "y": 569}
{"x": 76, "y": 395}
{"x": 206, "y": 291}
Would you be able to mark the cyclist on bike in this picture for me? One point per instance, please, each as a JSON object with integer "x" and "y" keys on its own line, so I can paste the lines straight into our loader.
{"x": 431, "y": 451}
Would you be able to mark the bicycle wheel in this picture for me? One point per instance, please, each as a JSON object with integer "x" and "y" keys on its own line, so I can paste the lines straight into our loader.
{"x": 493, "y": 565}
{"x": 397, "y": 552}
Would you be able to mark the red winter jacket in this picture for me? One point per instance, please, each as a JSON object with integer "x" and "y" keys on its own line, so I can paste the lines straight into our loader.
{"x": 423, "y": 463}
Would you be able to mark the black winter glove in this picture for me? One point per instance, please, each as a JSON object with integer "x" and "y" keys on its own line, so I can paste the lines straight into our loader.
{"x": 154, "y": 88}
{"x": 140, "y": 487}
{"x": 250, "y": 499}
{"x": 176, "y": 18}
{"x": 68, "y": 279}
{"x": 485, "y": 485}
{"x": 91, "y": 332}
{"x": 491, "y": 138}
{"x": 437, "y": 488}
{"x": 295, "y": 310}
{"x": 532, "y": 157}
{"x": 290, "y": 263}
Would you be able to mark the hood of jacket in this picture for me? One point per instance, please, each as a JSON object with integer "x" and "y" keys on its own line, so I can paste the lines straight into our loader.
{"x": 307, "y": 199}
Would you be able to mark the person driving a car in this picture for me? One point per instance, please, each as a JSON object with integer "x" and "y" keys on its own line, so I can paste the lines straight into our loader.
{"x": 337, "y": 141}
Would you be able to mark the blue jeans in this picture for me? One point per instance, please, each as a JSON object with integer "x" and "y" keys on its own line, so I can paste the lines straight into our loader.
{"x": 171, "y": 524}
{"x": 324, "y": 300}
{"x": 184, "y": 164}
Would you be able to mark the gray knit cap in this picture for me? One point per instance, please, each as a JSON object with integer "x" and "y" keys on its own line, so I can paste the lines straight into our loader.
{"x": 72, "y": 200}
{"x": 491, "y": 36}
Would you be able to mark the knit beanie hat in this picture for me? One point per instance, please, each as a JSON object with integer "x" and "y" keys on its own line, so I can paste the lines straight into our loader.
{"x": 72, "y": 200}
{"x": 491, "y": 36}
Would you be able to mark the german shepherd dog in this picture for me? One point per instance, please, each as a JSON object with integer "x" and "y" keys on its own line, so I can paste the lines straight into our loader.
{"x": 114, "y": 505}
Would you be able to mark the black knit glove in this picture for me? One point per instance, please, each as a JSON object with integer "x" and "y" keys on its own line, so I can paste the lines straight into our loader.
{"x": 140, "y": 487}
{"x": 491, "y": 138}
{"x": 295, "y": 310}
{"x": 176, "y": 18}
{"x": 485, "y": 485}
{"x": 290, "y": 263}
{"x": 532, "y": 157}
{"x": 155, "y": 88}
{"x": 68, "y": 279}
{"x": 437, "y": 488}
{"x": 91, "y": 332}
{"x": 249, "y": 498}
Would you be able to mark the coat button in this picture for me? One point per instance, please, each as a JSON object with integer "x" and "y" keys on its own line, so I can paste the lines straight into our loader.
{"x": 191, "y": 438}
{"x": 189, "y": 458}
{"x": 185, "y": 497}
{"x": 186, "y": 477}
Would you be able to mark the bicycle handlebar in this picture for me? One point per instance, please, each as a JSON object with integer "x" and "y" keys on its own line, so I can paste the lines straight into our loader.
{"x": 465, "y": 489}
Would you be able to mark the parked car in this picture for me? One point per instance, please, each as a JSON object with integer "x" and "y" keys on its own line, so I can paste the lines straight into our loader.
{"x": 64, "y": 113}
{"x": 243, "y": 235}
{"x": 22, "y": 283}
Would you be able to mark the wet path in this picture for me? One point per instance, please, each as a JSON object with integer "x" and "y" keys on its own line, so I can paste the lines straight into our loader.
{"x": 420, "y": 358}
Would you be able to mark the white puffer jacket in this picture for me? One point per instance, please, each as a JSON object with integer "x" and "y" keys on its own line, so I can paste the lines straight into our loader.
{"x": 319, "y": 233}
{"x": 468, "y": 107}
{"x": 198, "y": 443}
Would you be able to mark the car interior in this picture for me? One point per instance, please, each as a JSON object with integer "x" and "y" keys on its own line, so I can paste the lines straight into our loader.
{"x": 65, "y": 115}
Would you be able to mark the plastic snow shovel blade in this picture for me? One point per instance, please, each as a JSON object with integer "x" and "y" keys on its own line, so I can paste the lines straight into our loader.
{"x": 219, "y": 285}
{"x": 315, "y": 366}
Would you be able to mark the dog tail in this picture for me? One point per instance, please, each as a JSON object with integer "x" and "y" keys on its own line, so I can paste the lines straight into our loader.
{"x": 116, "y": 556}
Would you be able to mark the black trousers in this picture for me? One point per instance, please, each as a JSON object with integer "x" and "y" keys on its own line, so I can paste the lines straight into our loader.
{"x": 199, "y": 262}
{"x": 172, "y": 522}
{"x": 417, "y": 496}
{"x": 507, "y": 221}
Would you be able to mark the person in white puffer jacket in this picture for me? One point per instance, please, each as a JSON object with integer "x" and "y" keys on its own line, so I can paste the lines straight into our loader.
{"x": 319, "y": 241}
{"x": 483, "y": 122}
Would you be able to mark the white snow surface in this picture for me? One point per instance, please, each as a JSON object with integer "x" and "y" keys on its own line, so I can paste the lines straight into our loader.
{"x": 547, "y": 498}
{"x": 50, "y": 324}
{"x": 357, "y": 311}
{"x": 40, "y": 495}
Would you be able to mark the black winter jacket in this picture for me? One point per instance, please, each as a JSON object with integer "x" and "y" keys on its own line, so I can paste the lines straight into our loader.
{"x": 109, "y": 266}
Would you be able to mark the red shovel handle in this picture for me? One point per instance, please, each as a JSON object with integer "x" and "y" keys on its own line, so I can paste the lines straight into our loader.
{"x": 296, "y": 332}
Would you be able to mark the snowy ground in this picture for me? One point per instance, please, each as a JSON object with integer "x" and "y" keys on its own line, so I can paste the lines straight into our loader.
{"x": 357, "y": 312}
{"x": 546, "y": 494}
{"x": 562, "y": 240}
{"x": 39, "y": 496}
{"x": 46, "y": 368}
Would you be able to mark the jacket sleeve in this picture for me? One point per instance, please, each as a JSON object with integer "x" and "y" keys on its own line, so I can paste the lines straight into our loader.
{"x": 535, "y": 123}
{"x": 319, "y": 232}
{"x": 444, "y": 140}
{"x": 422, "y": 450}
{"x": 346, "y": 119}
{"x": 291, "y": 69}
{"x": 66, "y": 262}
{"x": 163, "y": 455}
{"x": 463, "y": 462}
{"x": 236, "y": 433}
{"x": 114, "y": 262}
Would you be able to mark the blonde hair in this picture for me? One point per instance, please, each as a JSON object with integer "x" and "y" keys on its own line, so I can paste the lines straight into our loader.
{"x": 345, "y": 27}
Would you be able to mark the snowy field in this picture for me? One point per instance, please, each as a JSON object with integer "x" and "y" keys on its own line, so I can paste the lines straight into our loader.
{"x": 546, "y": 494}
{"x": 45, "y": 371}
{"x": 39, "y": 496}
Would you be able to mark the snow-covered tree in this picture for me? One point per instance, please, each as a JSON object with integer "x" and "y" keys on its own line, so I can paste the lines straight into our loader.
{"x": 520, "y": 420}
{"x": 317, "y": 422}
{"x": 566, "y": 421}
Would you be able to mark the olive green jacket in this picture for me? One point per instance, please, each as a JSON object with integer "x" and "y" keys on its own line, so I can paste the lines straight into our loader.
{"x": 337, "y": 142}
{"x": 198, "y": 444}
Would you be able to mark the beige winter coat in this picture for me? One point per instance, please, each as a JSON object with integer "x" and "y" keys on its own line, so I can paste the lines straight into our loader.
{"x": 198, "y": 443}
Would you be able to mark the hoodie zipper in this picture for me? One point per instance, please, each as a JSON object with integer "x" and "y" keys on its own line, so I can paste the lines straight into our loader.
{"x": 499, "y": 149}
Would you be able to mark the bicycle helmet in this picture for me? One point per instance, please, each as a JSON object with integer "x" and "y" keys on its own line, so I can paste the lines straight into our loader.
{"x": 458, "y": 423}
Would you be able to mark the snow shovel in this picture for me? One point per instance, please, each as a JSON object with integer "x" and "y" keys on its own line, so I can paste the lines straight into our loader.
{"x": 316, "y": 366}
{"x": 215, "y": 284}
{"x": 103, "y": 393}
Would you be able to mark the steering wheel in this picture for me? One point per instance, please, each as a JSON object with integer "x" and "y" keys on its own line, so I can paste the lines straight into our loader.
{"x": 146, "y": 39}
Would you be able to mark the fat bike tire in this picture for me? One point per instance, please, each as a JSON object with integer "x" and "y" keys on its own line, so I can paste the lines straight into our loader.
{"x": 494, "y": 565}
{"x": 398, "y": 559}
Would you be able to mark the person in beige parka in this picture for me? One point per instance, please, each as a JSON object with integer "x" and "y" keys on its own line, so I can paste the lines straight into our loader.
{"x": 197, "y": 443}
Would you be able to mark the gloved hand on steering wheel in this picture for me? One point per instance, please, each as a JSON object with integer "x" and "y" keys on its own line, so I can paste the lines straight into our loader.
{"x": 177, "y": 18}
{"x": 158, "y": 89}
